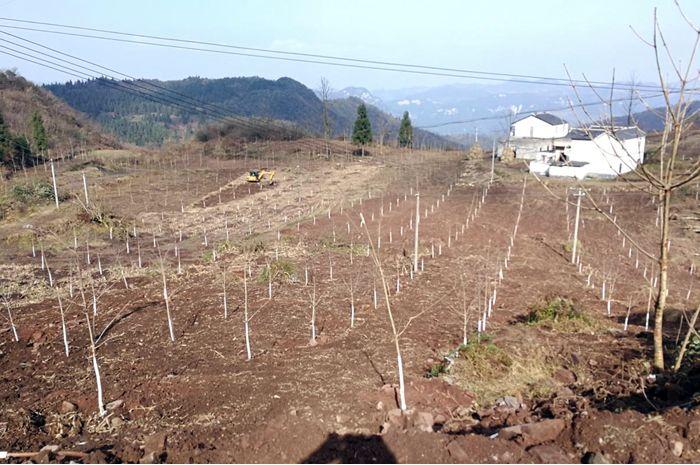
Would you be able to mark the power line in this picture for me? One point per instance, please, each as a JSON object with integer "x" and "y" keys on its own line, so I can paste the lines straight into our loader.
{"x": 311, "y": 55}
{"x": 220, "y": 110}
{"x": 245, "y": 123}
{"x": 150, "y": 94}
{"x": 158, "y": 93}
{"x": 578, "y": 105}
{"x": 343, "y": 61}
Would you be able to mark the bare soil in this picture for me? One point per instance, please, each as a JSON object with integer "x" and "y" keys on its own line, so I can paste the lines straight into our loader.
{"x": 335, "y": 399}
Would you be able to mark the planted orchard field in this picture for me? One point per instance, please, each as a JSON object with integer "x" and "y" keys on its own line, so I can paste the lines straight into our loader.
{"x": 204, "y": 318}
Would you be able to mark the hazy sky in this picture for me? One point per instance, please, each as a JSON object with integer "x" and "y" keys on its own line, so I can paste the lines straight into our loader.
{"x": 525, "y": 37}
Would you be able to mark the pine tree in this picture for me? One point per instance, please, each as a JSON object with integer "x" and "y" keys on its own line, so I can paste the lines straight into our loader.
{"x": 5, "y": 143}
{"x": 406, "y": 131}
{"x": 41, "y": 143}
{"x": 362, "y": 131}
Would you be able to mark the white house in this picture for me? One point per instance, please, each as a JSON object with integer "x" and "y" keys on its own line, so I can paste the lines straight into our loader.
{"x": 539, "y": 126}
{"x": 596, "y": 151}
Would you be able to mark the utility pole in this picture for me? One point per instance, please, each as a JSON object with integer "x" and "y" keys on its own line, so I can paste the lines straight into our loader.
{"x": 579, "y": 193}
{"x": 53, "y": 178}
{"x": 493, "y": 159}
{"x": 415, "y": 245}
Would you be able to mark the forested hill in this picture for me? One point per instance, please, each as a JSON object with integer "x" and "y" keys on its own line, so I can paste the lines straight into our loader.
{"x": 35, "y": 125}
{"x": 134, "y": 118}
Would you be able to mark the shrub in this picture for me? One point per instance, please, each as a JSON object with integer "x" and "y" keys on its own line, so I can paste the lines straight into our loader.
{"x": 560, "y": 314}
{"x": 569, "y": 246}
{"x": 554, "y": 309}
{"x": 280, "y": 270}
{"x": 436, "y": 370}
{"x": 31, "y": 194}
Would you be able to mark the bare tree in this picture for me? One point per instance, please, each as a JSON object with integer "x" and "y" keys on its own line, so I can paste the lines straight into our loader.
{"x": 325, "y": 91}
{"x": 663, "y": 179}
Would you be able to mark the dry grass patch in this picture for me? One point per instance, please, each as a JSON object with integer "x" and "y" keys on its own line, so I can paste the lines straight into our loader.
{"x": 561, "y": 314}
{"x": 491, "y": 372}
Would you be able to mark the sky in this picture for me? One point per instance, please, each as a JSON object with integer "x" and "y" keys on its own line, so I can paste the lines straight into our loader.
{"x": 535, "y": 37}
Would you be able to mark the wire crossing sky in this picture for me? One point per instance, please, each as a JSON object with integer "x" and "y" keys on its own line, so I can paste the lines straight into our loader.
{"x": 525, "y": 38}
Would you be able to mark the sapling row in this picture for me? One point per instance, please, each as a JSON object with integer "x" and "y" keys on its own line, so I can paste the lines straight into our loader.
{"x": 13, "y": 328}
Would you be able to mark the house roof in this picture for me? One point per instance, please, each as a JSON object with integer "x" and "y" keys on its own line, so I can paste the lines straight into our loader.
{"x": 546, "y": 117}
{"x": 617, "y": 133}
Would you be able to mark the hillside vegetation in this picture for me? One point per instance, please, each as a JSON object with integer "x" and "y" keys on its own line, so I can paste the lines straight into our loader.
{"x": 174, "y": 116}
{"x": 65, "y": 130}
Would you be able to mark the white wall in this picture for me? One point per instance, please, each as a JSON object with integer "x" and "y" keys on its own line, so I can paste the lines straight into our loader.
{"x": 578, "y": 172}
{"x": 606, "y": 155}
{"x": 535, "y": 127}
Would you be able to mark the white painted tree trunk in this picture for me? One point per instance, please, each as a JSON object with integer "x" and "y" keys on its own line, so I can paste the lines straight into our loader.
{"x": 12, "y": 323}
{"x": 225, "y": 298}
{"x": 245, "y": 318}
{"x": 63, "y": 326}
{"x": 95, "y": 367}
{"x": 167, "y": 307}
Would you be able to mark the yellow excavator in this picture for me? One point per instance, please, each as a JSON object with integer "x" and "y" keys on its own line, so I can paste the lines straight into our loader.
{"x": 260, "y": 175}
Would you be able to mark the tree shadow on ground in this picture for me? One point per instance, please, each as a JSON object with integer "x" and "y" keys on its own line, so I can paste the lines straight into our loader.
{"x": 627, "y": 388}
{"x": 352, "y": 448}
{"x": 618, "y": 371}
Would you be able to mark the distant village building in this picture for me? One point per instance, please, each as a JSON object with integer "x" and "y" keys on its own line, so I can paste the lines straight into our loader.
{"x": 539, "y": 126}
{"x": 554, "y": 149}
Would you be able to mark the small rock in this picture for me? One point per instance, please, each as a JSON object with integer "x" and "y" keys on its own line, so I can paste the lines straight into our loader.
{"x": 549, "y": 453}
{"x": 384, "y": 428}
{"x": 293, "y": 412}
{"x": 454, "y": 426}
{"x": 563, "y": 391}
{"x": 424, "y": 421}
{"x": 458, "y": 453}
{"x": 677, "y": 448}
{"x": 380, "y": 405}
{"x": 509, "y": 401}
{"x": 396, "y": 418}
{"x": 96, "y": 456}
{"x": 440, "y": 418}
{"x": 53, "y": 448}
{"x": 115, "y": 404}
{"x": 116, "y": 422}
{"x": 592, "y": 363}
{"x": 36, "y": 337}
{"x": 43, "y": 456}
{"x": 67, "y": 407}
{"x": 149, "y": 458}
{"x": 530, "y": 434}
{"x": 595, "y": 457}
{"x": 462, "y": 412}
{"x": 564, "y": 376}
{"x": 154, "y": 448}
{"x": 693, "y": 433}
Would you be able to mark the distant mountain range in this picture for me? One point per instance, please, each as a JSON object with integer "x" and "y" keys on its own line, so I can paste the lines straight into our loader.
{"x": 176, "y": 116}
{"x": 653, "y": 120}
{"x": 461, "y": 108}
